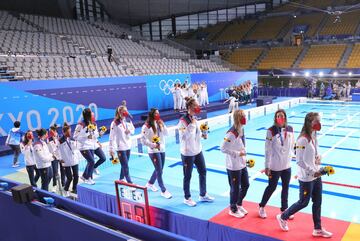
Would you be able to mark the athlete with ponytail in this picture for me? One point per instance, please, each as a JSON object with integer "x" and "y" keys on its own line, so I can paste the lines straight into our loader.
{"x": 279, "y": 146}
{"x": 120, "y": 140}
{"x": 86, "y": 134}
{"x": 308, "y": 160}
{"x": 234, "y": 148}
{"x": 26, "y": 147}
{"x": 191, "y": 152}
{"x": 155, "y": 127}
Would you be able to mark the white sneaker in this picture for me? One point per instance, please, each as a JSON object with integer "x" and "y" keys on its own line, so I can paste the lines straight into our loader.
{"x": 321, "y": 233}
{"x": 237, "y": 214}
{"x": 123, "y": 180}
{"x": 96, "y": 171}
{"x": 242, "y": 209}
{"x": 66, "y": 193}
{"x": 190, "y": 202}
{"x": 15, "y": 165}
{"x": 152, "y": 187}
{"x": 83, "y": 178}
{"x": 262, "y": 212}
{"x": 206, "y": 198}
{"x": 291, "y": 217}
{"x": 166, "y": 194}
{"x": 89, "y": 181}
{"x": 54, "y": 188}
{"x": 282, "y": 223}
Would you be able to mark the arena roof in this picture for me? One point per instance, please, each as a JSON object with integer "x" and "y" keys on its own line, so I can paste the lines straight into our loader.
{"x": 135, "y": 12}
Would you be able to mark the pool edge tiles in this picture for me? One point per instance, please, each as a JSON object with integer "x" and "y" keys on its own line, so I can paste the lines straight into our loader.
{"x": 299, "y": 229}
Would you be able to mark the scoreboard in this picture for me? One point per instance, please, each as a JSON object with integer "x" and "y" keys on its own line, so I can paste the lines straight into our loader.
{"x": 132, "y": 201}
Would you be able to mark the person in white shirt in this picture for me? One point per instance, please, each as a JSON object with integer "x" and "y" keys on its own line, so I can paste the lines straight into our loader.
{"x": 70, "y": 161}
{"x": 27, "y": 150}
{"x": 43, "y": 158}
{"x": 233, "y": 103}
{"x": 279, "y": 146}
{"x": 54, "y": 144}
{"x": 308, "y": 160}
{"x": 357, "y": 85}
{"x": 191, "y": 152}
{"x": 120, "y": 140}
{"x": 206, "y": 94}
{"x": 233, "y": 146}
{"x": 184, "y": 94}
{"x": 176, "y": 91}
{"x": 348, "y": 89}
{"x": 154, "y": 126}
{"x": 13, "y": 141}
{"x": 86, "y": 134}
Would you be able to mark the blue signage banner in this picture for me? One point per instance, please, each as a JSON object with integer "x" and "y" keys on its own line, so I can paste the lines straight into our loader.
{"x": 45, "y": 102}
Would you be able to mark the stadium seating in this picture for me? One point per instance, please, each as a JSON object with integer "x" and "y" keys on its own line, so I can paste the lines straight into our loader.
{"x": 8, "y": 22}
{"x": 245, "y": 57}
{"x": 354, "y": 58}
{"x": 120, "y": 46}
{"x": 235, "y": 31}
{"x": 318, "y": 3}
{"x": 164, "y": 49}
{"x": 347, "y": 24}
{"x": 268, "y": 28}
{"x": 280, "y": 57}
{"x": 207, "y": 65}
{"x": 38, "y": 47}
{"x": 323, "y": 56}
{"x": 65, "y": 26}
{"x": 21, "y": 42}
{"x": 311, "y": 20}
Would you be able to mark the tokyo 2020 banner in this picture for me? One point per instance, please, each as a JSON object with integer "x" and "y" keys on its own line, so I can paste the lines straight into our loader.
{"x": 41, "y": 103}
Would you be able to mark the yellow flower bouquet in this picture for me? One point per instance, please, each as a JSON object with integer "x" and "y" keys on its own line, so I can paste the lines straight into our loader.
{"x": 103, "y": 129}
{"x": 204, "y": 128}
{"x": 250, "y": 163}
{"x": 327, "y": 170}
{"x": 91, "y": 127}
{"x": 156, "y": 139}
{"x": 114, "y": 160}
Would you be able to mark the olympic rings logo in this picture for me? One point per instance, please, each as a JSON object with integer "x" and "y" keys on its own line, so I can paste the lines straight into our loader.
{"x": 166, "y": 86}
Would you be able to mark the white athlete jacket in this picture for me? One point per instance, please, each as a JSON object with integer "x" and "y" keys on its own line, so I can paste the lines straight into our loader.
{"x": 279, "y": 146}
{"x": 82, "y": 134}
{"x": 119, "y": 140}
{"x": 306, "y": 151}
{"x": 28, "y": 152}
{"x": 68, "y": 150}
{"x": 147, "y": 134}
{"x": 190, "y": 136}
{"x": 233, "y": 146}
{"x": 54, "y": 144}
{"x": 43, "y": 156}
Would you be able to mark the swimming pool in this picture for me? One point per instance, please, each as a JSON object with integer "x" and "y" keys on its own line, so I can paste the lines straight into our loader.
{"x": 339, "y": 142}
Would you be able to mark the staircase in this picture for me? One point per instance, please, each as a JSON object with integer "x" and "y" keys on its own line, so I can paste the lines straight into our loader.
{"x": 181, "y": 47}
{"x": 251, "y": 30}
{"x": 225, "y": 64}
{"x": 301, "y": 56}
{"x": 257, "y": 61}
{"x": 217, "y": 34}
{"x": 321, "y": 25}
{"x": 345, "y": 55}
{"x": 357, "y": 32}
{"x": 285, "y": 29}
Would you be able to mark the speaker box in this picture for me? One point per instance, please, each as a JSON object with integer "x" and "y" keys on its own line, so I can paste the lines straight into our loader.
{"x": 22, "y": 193}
